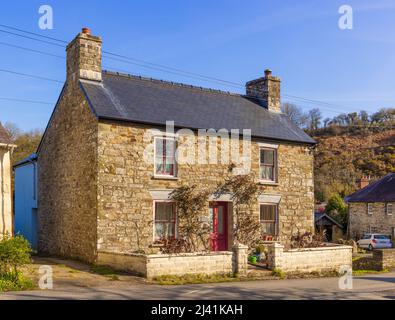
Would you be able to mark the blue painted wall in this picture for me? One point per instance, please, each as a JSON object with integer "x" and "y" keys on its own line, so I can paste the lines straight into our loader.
{"x": 26, "y": 202}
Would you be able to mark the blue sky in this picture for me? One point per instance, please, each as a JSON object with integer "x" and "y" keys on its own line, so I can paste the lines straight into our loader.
{"x": 233, "y": 40}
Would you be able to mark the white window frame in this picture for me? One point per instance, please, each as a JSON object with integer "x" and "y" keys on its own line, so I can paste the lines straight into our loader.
{"x": 276, "y": 216}
{"x": 370, "y": 208}
{"x": 275, "y": 164}
{"x": 153, "y": 218}
{"x": 175, "y": 173}
{"x": 387, "y": 211}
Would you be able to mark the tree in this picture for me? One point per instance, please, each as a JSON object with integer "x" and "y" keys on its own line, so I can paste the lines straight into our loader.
{"x": 12, "y": 130}
{"x": 337, "y": 208}
{"x": 27, "y": 142}
{"x": 315, "y": 117}
{"x": 352, "y": 117}
{"x": 295, "y": 114}
{"x": 326, "y": 122}
{"x": 364, "y": 116}
{"x": 384, "y": 115}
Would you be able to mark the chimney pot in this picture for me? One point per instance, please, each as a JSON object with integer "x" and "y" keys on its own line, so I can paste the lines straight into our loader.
{"x": 86, "y": 30}
{"x": 268, "y": 72}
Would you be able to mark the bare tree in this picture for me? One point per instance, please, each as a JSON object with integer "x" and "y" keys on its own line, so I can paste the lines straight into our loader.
{"x": 295, "y": 114}
{"x": 315, "y": 117}
{"x": 12, "y": 130}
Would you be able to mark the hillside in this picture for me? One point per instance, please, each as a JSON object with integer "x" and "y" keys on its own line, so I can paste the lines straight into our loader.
{"x": 342, "y": 156}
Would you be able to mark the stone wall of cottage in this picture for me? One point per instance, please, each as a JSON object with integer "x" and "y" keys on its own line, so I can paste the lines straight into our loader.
{"x": 67, "y": 203}
{"x": 378, "y": 222}
{"x": 125, "y": 204}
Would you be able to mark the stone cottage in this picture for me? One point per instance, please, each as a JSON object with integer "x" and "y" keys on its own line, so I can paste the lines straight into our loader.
{"x": 372, "y": 208}
{"x": 6, "y": 148}
{"x": 99, "y": 194}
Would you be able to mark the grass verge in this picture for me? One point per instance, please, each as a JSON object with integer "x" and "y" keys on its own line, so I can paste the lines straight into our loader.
{"x": 363, "y": 272}
{"x": 194, "y": 279}
{"x": 105, "y": 271}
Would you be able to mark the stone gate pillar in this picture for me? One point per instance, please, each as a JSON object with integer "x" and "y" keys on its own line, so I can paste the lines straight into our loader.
{"x": 240, "y": 258}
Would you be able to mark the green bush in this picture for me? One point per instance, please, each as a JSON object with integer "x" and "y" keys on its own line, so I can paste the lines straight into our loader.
{"x": 12, "y": 283}
{"x": 278, "y": 273}
{"x": 14, "y": 253}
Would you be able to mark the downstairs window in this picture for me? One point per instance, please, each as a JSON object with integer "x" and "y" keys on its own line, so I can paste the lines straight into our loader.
{"x": 268, "y": 219}
{"x": 165, "y": 220}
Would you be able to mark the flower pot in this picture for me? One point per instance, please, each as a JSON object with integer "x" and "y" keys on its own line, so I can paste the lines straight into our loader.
{"x": 252, "y": 259}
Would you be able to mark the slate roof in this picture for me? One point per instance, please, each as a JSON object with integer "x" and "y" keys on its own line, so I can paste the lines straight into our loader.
{"x": 382, "y": 190}
{"x": 32, "y": 158}
{"x": 318, "y": 216}
{"x": 131, "y": 98}
{"x": 4, "y": 136}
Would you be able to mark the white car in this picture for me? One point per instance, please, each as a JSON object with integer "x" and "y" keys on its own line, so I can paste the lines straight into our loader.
{"x": 372, "y": 241}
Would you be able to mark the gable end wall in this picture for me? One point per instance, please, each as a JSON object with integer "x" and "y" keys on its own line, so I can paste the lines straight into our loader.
{"x": 67, "y": 204}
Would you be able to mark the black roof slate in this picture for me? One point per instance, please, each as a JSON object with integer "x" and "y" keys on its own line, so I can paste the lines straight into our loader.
{"x": 323, "y": 216}
{"x": 131, "y": 98}
{"x": 382, "y": 190}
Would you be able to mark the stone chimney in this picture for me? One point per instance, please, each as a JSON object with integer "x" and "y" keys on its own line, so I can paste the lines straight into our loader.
{"x": 364, "y": 182}
{"x": 266, "y": 90}
{"x": 84, "y": 55}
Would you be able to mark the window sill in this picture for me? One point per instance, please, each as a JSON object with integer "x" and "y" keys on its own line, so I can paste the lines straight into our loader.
{"x": 157, "y": 245}
{"x": 157, "y": 177}
{"x": 269, "y": 183}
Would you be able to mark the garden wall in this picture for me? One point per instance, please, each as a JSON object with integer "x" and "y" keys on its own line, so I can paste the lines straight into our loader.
{"x": 384, "y": 258}
{"x": 154, "y": 265}
{"x": 321, "y": 259}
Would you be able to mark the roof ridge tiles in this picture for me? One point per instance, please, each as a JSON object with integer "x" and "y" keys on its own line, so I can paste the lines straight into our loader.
{"x": 172, "y": 83}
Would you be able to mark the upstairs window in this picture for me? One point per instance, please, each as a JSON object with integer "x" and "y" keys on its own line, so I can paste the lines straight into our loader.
{"x": 165, "y": 220}
{"x": 165, "y": 164}
{"x": 370, "y": 208}
{"x": 268, "y": 219}
{"x": 268, "y": 164}
{"x": 388, "y": 209}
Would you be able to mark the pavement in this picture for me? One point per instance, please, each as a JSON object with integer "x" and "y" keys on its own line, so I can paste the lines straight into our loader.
{"x": 76, "y": 281}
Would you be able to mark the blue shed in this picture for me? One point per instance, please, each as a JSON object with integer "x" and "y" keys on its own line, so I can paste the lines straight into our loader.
{"x": 26, "y": 199}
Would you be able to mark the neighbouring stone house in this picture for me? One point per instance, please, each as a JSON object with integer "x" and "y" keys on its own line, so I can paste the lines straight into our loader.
{"x": 6, "y": 148}
{"x": 99, "y": 195}
{"x": 372, "y": 208}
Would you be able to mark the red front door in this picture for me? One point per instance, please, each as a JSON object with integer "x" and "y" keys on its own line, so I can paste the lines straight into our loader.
{"x": 219, "y": 226}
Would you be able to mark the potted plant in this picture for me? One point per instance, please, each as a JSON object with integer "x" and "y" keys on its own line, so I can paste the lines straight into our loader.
{"x": 260, "y": 252}
{"x": 252, "y": 259}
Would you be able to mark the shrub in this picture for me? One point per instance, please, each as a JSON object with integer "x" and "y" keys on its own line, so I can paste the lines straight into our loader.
{"x": 306, "y": 240}
{"x": 278, "y": 273}
{"x": 260, "y": 249}
{"x": 12, "y": 283}
{"x": 14, "y": 253}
